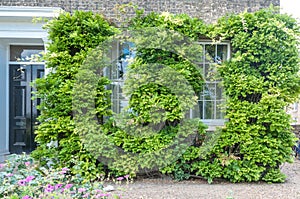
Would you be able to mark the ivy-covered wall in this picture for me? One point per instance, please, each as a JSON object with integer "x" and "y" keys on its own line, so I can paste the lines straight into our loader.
{"x": 259, "y": 80}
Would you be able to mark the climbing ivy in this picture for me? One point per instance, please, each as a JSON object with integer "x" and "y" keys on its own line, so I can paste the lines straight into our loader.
{"x": 259, "y": 80}
{"x": 71, "y": 38}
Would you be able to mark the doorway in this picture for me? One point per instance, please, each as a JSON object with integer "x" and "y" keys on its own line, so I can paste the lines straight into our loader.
{"x": 22, "y": 108}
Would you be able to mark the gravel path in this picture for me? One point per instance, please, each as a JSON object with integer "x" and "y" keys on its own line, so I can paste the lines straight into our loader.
{"x": 194, "y": 189}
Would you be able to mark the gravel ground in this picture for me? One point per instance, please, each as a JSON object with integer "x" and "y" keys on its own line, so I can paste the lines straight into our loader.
{"x": 168, "y": 189}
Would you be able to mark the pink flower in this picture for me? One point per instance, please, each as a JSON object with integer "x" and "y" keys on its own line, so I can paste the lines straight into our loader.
{"x": 27, "y": 164}
{"x": 58, "y": 186}
{"x": 86, "y": 195}
{"x": 120, "y": 178}
{"x": 127, "y": 176}
{"x": 22, "y": 182}
{"x": 97, "y": 196}
{"x": 80, "y": 190}
{"x": 102, "y": 195}
{"x": 2, "y": 166}
{"x": 49, "y": 188}
{"x": 29, "y": 178}
{"x": 64, "y": 170}
{"x": 9, "y": 175}
{"x": 26, "y": 197}
{"x": 68, "y": 186}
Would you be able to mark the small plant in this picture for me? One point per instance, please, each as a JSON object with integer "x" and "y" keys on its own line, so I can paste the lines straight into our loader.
{"x": 21, "y": 177}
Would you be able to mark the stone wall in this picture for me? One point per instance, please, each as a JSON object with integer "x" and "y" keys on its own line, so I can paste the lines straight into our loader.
{"x": 208, "y": 10}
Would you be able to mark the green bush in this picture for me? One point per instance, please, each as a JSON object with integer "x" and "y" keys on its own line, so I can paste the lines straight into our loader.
{"x": 71, "y": 38}
{"x": 260, "y": 80}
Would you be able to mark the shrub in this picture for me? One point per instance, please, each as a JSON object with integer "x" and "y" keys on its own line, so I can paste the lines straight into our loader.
{"x": 71, "y": 38}
{"x": 22, "y": 177}
{"x": 260, "y": 80}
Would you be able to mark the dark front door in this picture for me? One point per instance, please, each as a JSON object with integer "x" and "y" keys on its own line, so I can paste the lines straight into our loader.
{"x": 22, "y": 109}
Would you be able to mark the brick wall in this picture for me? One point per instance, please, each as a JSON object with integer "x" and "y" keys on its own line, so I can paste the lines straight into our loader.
{"x": 208, "y": 10}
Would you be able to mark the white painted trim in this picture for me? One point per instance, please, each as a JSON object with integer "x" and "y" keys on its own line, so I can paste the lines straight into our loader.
{"x": 7, "y": 98}
{"x": 19, "y": 11}
{"x": 29, "y": 34}
{"x": 17, "y": 28}
{"x": 25, "y": 63}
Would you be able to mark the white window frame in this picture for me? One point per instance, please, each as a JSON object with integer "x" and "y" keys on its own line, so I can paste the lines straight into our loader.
{"x": 213, "y": 123}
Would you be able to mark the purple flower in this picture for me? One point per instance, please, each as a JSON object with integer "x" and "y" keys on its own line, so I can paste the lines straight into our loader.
{"x": 120, "y": 178}
{"x": 102, "y": 195}
{"x": 27, "y": 164}
{"x": 80, "y": 190}
{"x": 49, "y": 188}
{"x": 58, "y": 186}
{"x": 29, "y": 178}
{"x": 68, "y": 186}
{"x": 2, "y": 166}
{"x": 64, "y": 170}
{"x": 9, "y": 175}
{"x": 97, "y": 196}
{"x": 86, "y": 195}
{"x": 127, "y": 176}
{"x": 22, "y": 182}
{"x": 26, "y": 197}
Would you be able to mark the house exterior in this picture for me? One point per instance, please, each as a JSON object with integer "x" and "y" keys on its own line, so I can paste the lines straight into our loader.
{"x": 20, "y": 39}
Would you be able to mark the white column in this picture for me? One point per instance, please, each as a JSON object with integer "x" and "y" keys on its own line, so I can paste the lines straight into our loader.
{"x": 4, "y": 105}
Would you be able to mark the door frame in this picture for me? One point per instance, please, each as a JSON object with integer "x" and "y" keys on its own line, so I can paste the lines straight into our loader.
{"x": 31, "y": 73}
{"x": 17, "y": 28}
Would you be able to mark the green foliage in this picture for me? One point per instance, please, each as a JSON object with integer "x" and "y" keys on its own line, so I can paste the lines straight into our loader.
{"x": 166, "y": 88}
{"x": 22, "y": 177}
{"x": 182, "y": 168}
{"x": 260, "y": 80}
{"x": 71, "y": 38}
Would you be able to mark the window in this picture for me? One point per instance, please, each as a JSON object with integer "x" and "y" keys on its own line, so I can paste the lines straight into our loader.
{"x": 211, "y": 98}
{"x": 124, "y": 54}
{"x": 25, "y": 53}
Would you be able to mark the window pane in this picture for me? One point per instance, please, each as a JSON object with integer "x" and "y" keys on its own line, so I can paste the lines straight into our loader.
{"x": 208, "y": 110}
{"x": 219, "y": 91}
{"x": 24, "y": 53}
{"x": 209, "y": 92}
{"x": 127, "y": 53}
{"x": 211, "y": 98}
{"x": 221, "y": 53}
{"x": 201, "y": 110}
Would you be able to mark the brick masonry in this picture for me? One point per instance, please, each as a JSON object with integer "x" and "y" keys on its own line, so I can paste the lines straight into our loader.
{"x": 208, "y": 10}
